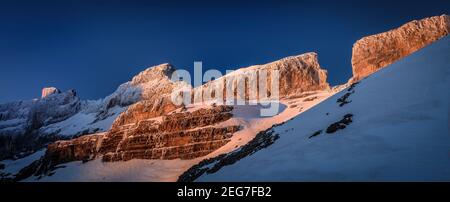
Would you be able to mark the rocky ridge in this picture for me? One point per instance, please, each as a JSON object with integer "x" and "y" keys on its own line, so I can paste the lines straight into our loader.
{"x": 374, "y": 52}
{"x": 184, "y": 135}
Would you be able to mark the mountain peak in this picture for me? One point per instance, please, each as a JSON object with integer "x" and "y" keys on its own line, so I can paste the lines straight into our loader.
{"x": 46, "y": 91}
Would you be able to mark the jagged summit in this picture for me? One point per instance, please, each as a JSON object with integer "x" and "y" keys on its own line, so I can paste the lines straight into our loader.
{"x": 60, "y": 114}
{"x": 300, "y": 73}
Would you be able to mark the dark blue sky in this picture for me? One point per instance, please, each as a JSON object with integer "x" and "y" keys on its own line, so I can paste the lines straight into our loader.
{"x": 93, "y": 46}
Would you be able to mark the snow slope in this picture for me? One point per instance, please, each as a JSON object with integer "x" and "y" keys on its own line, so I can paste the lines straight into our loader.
{"x": 400, "y": 131}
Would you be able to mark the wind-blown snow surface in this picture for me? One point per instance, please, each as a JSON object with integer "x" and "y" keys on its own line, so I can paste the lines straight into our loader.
{"x": 400, "y": 131}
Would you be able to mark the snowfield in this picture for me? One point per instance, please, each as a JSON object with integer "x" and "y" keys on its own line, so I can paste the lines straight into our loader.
{"x": 400, "y": 130}
{"x": 13, "y": 167}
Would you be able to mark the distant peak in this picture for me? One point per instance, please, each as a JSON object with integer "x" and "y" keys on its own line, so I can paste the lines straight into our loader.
{"x": 378, "y": 51}
{"x": 162, "y": 67}
{"x": 162, "y": 70}
{"x": 49, "y": 91}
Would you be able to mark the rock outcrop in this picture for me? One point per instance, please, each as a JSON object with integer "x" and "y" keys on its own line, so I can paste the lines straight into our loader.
{"x": 378, "y": 51}
{"x": 184, "y": 135}
{"x": 297, "y": 74}
{"x": 49, "y": 91}
{"x": 145, "y": 109}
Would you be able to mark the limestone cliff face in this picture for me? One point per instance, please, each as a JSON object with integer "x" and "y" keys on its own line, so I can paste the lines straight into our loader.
{"x": 377, "y": 51}
{"x": 81, "y": 149}
{"x": 145, "y": 109}
{"x": 184, "y": 135}
{"x": 153, "y": 127}
{"x": 17, "y": 117}
{"x": 20, "y": 121}
{"x": 297, "y": 74}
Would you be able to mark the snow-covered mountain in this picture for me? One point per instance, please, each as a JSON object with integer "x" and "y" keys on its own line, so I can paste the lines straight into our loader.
{"x": 389, "y": 122}
{"x": 395, "y": 127}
